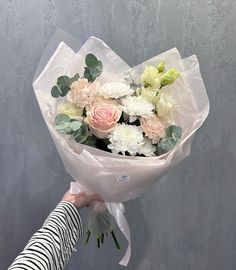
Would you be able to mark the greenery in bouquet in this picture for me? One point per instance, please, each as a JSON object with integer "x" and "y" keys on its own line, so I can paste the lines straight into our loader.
{"x": 129, "y": 118}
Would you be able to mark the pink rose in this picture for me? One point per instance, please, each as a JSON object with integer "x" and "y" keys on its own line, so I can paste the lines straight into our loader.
{"x": 102, "y": 118}
{"x": 83, "y": 92}
{"x": 153, "y": 128}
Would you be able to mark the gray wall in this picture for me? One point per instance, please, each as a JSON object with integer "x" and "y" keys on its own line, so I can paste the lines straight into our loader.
{"x": 188, "y": 220}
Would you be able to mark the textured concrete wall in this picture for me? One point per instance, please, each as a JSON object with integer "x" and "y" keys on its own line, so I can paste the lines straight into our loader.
{"x": 188, "y": 221}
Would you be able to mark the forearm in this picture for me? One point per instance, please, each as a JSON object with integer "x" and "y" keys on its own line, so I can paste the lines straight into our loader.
{"x": 52, "y": 245}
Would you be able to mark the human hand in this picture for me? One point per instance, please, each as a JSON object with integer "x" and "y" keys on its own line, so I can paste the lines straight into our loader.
{"x": 80, "y": 200}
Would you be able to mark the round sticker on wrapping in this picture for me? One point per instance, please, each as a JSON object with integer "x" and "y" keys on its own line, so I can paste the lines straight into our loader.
{"x": 123, "y": 178}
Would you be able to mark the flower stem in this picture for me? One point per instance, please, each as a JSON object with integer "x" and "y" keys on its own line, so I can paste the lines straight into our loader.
{"x": 88, "y": 236}
{"x": 98, "y": 241}
{"x": 102, "y": 238}
{"x": 115, "y": 240}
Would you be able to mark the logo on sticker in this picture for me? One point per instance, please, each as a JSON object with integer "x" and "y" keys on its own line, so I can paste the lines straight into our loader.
{"x": 123, "y": 178}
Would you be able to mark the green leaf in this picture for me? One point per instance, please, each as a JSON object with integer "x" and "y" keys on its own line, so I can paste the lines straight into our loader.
{"x": 91, "y": 60}
{"x": 81, "y": 135}
{"x": 165, "y": 145}
{"x": 99, "y": 65}
{"x": 87, "y": 74}
{"x": 91, "y": 72}
{"x": 173, "y": 136}
{"x": 63, "y": 80}
{"x": 63, "y": 83}
{"x": 60, "y": 118}
{"x": 90, "y": 141}
{"x": 62, "y": 131}
{"x": 55, "y": 92}
{"x": 176, "y": 133}
{"x": 64, "y": 128}
{"x": 75, "y": 125}
{"x": 74, "y": 78}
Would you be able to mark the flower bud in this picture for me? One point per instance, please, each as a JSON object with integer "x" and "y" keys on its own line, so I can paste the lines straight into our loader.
{"x": 161, "y": 66}
{"x": 169, "y": 77}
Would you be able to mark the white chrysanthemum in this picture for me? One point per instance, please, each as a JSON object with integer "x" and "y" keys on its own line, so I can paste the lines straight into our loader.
{"x": 138, "y": 106}
{"x": 115, "y": 90}
{"x": 125, "y": 138}
{"x": 147, "y": 148}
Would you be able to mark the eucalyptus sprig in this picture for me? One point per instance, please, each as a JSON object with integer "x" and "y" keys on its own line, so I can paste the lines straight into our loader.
{"x": 92, "y": 70}
{"x": 63, "y": 85}
{"x": 173, "y": 136}
{"x": 93, "y": 67}
{"x": 77, "y": 129}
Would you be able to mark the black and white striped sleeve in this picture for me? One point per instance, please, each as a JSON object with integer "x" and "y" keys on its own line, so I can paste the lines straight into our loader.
{"x": 52, "y": 245}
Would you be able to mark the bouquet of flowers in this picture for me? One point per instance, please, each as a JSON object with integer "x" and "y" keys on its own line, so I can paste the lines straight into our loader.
{"x": 123, "y": 118}
{"x": 118, "y": 129}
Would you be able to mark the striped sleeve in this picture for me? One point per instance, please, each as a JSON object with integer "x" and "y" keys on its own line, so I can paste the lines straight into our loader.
{"x": 52, "y": 245}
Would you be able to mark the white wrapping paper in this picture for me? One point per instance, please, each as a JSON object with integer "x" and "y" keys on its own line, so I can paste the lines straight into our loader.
{"x": 119, "y": 178}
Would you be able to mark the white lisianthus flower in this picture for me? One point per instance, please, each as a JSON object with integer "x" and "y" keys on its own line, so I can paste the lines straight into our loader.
{"x": 138, "y": 106}
{"x": 125, "y": 138}
{"x": 149, "y": 94}
{"x": 115, "y": 90}
{"x": 164, "y": 104}
{"x": 147, "y": 148}
{"x": 151, "y": 77}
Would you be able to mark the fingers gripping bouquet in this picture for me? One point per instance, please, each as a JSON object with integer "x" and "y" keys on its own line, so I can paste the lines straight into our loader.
{"x": 118, "y": 129}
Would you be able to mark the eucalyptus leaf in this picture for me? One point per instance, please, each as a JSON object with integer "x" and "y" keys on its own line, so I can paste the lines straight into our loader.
{"x": 74, "y": 78}
{"x": 75, "y": 125}
{"x": 60, "y": 118}
{"x": 81, "y": 135}
{"x": 64, "y": 128}
{"x": 63, "y": 85}
{"x": 55, "y": 92}
{"x": 91, "y": 60}
{"x": 99, "y": 65}
{"x": 176, "y": 133}
{"x": 94, "y": 68}
{"x": 165, "y": 145}
{"x": 173, "y": 136}
{"x": 62, "y": 131}
{"x": 63, "y": 125}
{"x": 87, "y": 74}
{"x": 63, "y": 81}
{"x": 90, "y": 141}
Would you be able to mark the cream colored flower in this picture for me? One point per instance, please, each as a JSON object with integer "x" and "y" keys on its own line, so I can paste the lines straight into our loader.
{"x": 164, "y": 103}
{"x": 83, "y": 92}
{"x": 125, "y": 138}
{"x": 149, "y": 94}
{"x": 70, "y": 109}
{"x": 137, "y": 106}
{"x": 151, "y": 77}
{"x": 115, "y": 90}
{"x": 153, "y": 128}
